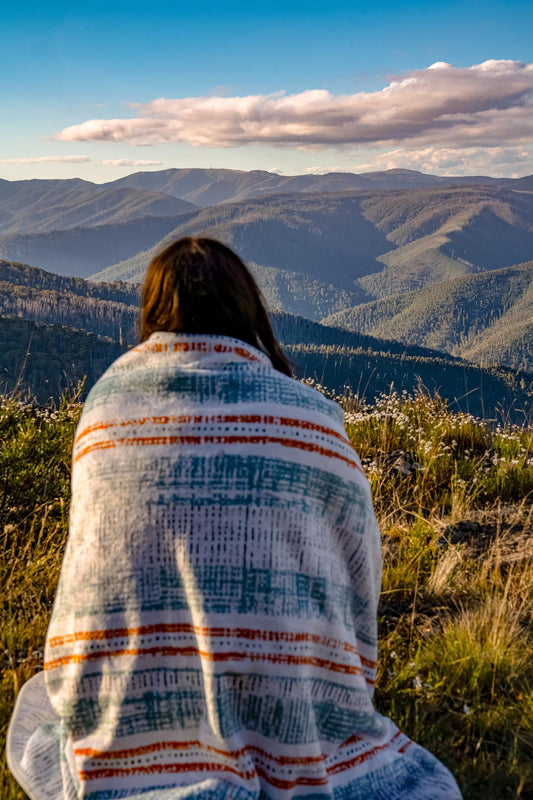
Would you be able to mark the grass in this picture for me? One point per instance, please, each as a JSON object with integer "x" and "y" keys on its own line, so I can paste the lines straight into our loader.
{"x": 35, "y": 458}
{"x": 453, "y": 498}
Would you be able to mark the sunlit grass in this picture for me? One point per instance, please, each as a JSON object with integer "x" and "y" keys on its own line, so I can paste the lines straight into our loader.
{"x": 35, "y": 458}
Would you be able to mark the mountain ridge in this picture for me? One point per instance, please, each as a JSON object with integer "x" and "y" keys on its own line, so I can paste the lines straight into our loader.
{"x": 206, "y": 187}
{"x": 377, "y": 243}
{"x": 483, "y": 317}
{"x": 26, "y": 208}
{"x": 314, "y": 253}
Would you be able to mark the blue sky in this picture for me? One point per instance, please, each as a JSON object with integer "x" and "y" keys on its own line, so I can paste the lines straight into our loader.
{"x": 64, "y": 65}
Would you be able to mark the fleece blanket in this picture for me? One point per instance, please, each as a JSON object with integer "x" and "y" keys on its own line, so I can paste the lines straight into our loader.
{"x": 214, "y": 630}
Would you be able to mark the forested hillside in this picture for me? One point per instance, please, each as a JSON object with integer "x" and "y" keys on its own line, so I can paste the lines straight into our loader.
{"x": 46, "y": 358}
{"x": 485, "y": 318}
{"x": 104, "y": 309}
{"x": 372, "y": 243}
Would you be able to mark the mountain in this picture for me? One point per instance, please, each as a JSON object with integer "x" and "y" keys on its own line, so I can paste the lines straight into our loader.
{"x": 105, "y": 309}
{"x": 207, "y": 187}
{"x": 324, "y": 237}
{"x": 45, "y": 205}
{"x": 372, "y": 243}
{"x": 32, "y": 206}
{"x": 80, "y": 252}
{"x": 45, "y": 358}
{"x": 485, "y": 318}
{"x": 411, "y": 263}
{"x": 368, "y": 243}
{"x": 445, "y": 233}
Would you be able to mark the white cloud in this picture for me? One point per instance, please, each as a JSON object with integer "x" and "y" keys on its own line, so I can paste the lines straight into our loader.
{"x": 47, "y": 159}
{"x": 317, "y": 170}
{"x": 486, "y": 105}
{"x": 501, "y": 161}
{"x": 128, "y": 162}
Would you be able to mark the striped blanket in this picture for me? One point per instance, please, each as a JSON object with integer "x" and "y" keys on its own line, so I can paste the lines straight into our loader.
{"x": 214, "y": 630}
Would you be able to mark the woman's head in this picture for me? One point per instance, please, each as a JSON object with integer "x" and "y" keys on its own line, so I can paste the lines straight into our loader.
{"x": 201, "y": 286}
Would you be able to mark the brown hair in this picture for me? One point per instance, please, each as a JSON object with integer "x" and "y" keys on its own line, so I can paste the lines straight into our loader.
{"x": 201, "y": 286}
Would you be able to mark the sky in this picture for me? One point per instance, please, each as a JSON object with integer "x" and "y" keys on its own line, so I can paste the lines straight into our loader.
{"x": 102, "y": 89}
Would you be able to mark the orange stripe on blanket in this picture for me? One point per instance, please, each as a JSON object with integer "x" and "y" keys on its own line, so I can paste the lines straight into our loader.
{"x": 201, "y": 347}
{"x": 220, "y": 419}
{"x": 124, "y": 772}
{"x": 202, "y": 766}
{"x": 139, "y": 441}
{"x": 334, "y": 769}
{"x": 271, "y": 658}
{"x": 159, "y": 747}
{"x": 219, "y": 632}
{"x": 404, "y": 747}
{"x": 236, "y": 633}
{"x": 162, "y": 419}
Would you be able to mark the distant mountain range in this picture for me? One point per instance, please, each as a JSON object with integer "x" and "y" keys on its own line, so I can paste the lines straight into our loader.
{"x": 46, "y": 205}
{"x": 208, "y": 187}
{"x": 375, "y": 244}
{"x": 55, "y": 330}
{"x": 399, "y": 254}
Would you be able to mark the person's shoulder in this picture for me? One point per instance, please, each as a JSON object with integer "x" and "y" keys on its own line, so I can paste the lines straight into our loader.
{"x": 119, "y": 368}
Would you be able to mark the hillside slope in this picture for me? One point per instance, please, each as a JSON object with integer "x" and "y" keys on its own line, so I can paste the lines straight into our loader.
{"x": 80, "y": 251}
{"x": 39, "y": 206}
{"x": 110, "y": 310}
{"x": 376, "y": 243}
{"x": 485, "y": 318}
{"x": 206, "y": 187}
{"x": 445, "y": 233}
{"x": 44, "y": 358}
{"x": 322, "y": 236}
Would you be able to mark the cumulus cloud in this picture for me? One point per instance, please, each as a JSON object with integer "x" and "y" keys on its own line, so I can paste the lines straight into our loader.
{"x": 128, "y": 162}
{"x": 453, "y": 161}
{"x": 488, "y": 104}
{"x": 323, "y": 170}
{"x": 46, "y": 159}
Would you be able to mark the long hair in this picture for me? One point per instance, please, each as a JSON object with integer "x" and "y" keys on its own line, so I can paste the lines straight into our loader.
{"x": 201, "y": 286}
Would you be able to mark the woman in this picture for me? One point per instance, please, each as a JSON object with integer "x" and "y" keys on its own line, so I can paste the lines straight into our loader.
{"x": 214, "y": 630}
